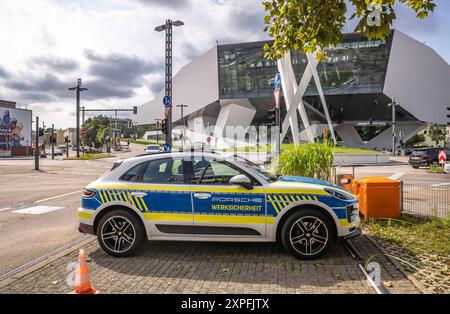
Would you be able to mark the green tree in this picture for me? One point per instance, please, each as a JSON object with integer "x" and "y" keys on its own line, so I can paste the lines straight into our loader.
{"x": 437, "y": 133}
{"x": 96, "y": 129}
{"x": 317, "y": 24}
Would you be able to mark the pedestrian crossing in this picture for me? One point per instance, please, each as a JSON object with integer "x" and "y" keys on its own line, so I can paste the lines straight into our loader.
{"x": 37, "y": 210}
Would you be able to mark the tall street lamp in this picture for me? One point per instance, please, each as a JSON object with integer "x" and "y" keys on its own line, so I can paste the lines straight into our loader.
{"x": 79, "y": 89}
{"x": 168, "y": 77}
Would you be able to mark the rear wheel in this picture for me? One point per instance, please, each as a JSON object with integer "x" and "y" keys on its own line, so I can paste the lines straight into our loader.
{"x": 415, "y": 167}
{"x": 120, "y": 233}
{"x": 307, "y": 234}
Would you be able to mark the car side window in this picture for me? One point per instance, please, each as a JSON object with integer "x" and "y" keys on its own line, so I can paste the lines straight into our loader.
{"x": 134, "y": 173}
{"x": 213, "y": 172}
{"x": 164, "y": 171}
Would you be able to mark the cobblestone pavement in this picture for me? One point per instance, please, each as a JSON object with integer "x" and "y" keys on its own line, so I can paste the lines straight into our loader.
{"x": 188, "y": 267}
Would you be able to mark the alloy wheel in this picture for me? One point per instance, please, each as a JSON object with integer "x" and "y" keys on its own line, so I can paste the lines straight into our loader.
{"x": 308, "y": 235}
{"x": 118, "y": 234}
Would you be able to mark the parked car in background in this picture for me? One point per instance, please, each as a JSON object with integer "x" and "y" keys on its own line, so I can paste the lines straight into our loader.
{"x": 426, "y": 157}
{"x": 62, "y": 147}
{"x": 152, "y": 149}
{"x": 57, "y": 152}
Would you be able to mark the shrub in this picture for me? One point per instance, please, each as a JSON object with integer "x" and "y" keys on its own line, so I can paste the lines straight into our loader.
{"x": 309, "y": 160}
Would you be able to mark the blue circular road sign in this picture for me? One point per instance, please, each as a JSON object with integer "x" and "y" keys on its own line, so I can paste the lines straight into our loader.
{"x": 166, "y": 147}
{"x": 167, "y": 101}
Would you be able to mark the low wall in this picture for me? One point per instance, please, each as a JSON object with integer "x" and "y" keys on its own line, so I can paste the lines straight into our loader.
{"x": 342, "y": 159}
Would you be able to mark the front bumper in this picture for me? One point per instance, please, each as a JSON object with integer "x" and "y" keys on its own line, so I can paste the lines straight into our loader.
{"x": 85, "y": 228}
{"x": 355, "y": 232}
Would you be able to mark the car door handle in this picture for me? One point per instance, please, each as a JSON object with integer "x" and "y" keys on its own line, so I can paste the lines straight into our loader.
{"x": 138, "y": 194}
{"x": 202, "y": 196}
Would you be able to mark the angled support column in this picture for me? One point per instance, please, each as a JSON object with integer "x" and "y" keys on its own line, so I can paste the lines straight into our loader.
{"x": 293, "y": 97}
{"x": 312, "y": 63}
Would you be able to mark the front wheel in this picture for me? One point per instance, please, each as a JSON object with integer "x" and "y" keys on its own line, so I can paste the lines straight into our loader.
{"x": 307, "y": 234}
{"x": 120, "y": 233}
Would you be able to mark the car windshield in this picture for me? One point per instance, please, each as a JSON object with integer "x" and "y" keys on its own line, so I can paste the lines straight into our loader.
{"x": 266, "y": 175}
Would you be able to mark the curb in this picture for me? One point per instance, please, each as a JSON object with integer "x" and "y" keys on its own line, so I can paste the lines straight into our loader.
{"x": 399, "y": 266}
{"x": 45, "y": 262}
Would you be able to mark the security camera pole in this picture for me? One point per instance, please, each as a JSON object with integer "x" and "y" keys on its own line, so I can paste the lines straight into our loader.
{"x": 79, "y": 89}
{"x": 168, "y": 77}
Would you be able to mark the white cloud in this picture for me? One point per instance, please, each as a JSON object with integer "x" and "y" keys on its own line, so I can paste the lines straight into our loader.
{"x": 46, "y": 46}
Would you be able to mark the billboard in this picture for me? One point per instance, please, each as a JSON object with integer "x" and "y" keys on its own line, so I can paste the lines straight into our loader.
{"x": 15, "y": 131}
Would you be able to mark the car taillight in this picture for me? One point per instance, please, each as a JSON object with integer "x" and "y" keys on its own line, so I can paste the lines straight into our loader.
{"x": 88, "y": 193}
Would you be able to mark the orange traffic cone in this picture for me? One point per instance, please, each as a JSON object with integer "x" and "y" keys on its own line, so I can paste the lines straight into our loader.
{"x": 84, "y": 284}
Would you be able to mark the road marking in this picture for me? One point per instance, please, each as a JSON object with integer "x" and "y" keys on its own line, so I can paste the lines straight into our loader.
{"x": 57, "y": 196}
{"x": 397, "y": 175}
{"x": 37, "y": 210}
{"x": 440, "y": 184}
{"x": 3, "y": 209}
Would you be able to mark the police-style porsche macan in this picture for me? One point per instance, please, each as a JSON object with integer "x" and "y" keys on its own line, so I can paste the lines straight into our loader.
{"x": 199, "y": 196}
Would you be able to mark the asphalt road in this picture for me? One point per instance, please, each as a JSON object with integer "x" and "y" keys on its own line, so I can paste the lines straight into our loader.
{"x": 25, "y": 236}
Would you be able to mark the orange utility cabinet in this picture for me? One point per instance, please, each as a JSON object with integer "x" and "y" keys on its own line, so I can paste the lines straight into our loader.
{"x": 378, "y": 197}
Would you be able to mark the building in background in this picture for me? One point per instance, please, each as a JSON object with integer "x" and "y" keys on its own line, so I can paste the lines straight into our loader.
{"x": 232, "y": 85}
{"x": 7, "y": 104}
{"x": 15, "y": 130}
{"x": 71, "y": 134}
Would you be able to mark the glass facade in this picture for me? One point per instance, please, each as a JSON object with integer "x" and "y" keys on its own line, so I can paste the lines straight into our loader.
{"x": 356, "y": 66}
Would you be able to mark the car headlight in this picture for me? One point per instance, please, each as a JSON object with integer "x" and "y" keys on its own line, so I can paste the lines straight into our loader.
{"x": 340, "y": 195}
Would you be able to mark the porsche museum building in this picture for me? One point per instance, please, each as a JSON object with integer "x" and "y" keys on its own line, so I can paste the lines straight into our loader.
{"x": 233, "y": 84}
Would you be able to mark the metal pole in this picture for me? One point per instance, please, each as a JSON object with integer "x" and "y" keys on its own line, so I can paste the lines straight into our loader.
{"x": 82, "y": 116}
{"x": 278, "y": 126}
{"x": 36, "y": 151}
{"x": 78, "y": 120}
{"x": 393, "y": 125}
{"x": 168, "y": 83}
{"x": 53, "y": 141}
{"x": 115, "y": 128}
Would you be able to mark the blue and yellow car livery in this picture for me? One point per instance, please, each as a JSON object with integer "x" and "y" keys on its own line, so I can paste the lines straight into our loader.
{"x": 187, "y": 209}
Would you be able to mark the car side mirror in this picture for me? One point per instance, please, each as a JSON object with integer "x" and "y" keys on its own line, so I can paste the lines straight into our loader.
{"x": 242, "y": 180}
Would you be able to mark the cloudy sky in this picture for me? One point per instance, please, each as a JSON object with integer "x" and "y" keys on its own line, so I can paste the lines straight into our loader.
{"x": 111, "y": 44}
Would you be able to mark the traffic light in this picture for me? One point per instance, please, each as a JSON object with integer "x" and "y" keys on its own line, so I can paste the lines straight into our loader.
{"x": 272, "y": 116}
{"x": 41, "y": 132}
{"x": 134, "y": 109}
{"x": 164, "y": 126}
{"x": 66, "y": 139}
{"x": 130, "y": 124}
